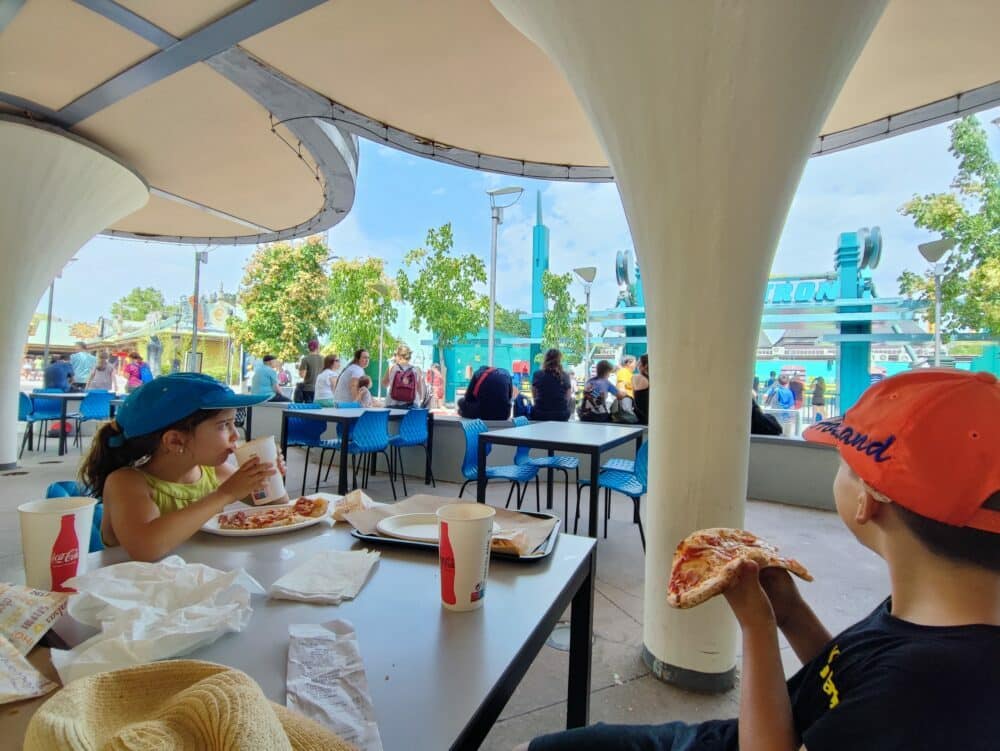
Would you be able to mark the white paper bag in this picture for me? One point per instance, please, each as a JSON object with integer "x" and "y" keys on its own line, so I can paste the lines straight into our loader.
{"x": 329, "y": 577}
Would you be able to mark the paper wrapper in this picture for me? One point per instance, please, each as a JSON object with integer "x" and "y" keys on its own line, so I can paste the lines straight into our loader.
{"x": 353, "y": 501}
{"x": 18, "y": 679}
{"x": 535, "y": 530}
{"x": 26, "y": 614}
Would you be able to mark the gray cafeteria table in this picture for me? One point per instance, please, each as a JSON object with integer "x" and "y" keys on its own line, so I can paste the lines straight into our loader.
{"x": 589, "y": 438}
{"x": 438, "y": 679}
{"x": 64, "y": 399}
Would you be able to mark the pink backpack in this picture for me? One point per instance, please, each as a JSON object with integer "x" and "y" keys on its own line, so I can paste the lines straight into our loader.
{"x": 404, "y": 385}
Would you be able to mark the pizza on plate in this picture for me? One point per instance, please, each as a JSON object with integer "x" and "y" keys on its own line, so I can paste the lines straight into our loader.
{"x": 706, "y": 562}
{"x": 277, "y": 516}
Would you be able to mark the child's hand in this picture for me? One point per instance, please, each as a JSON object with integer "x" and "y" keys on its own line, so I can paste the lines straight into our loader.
{"x": 748, "y": 600}
{"x": 782, "y": 592}
{"x": 282, "y": 468}
{"x": 251, "y": 476}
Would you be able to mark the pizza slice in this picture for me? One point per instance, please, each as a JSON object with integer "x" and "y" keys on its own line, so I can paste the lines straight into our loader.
{"x": 280, "y": 516}
{"x": 311, "y": 508}
{"x": 706, "y": 562}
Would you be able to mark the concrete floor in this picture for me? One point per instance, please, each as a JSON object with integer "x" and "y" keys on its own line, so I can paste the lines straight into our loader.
{"x": 850, "y": 582}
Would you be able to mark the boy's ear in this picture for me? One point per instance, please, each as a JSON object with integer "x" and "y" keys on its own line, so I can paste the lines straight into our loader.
{"x": 868, "y": 507}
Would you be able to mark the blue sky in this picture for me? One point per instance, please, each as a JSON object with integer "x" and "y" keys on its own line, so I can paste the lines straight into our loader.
{"x": 400, "y": 196}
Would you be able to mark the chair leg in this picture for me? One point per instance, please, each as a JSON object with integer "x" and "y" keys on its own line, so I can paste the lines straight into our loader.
{"x": 607, "y": 510}
{"x": 427, "y": 456}
{"x": 464, "y": 484}
{"x": 512, "y": 486}
{"x": 402, "y": 471}
{"x": 319, "y": 468}
{"x": 566, "y": 500}
{"x": 638, "y": 520}
{"x": 576, "y": 521}
{"x": 305, "y": 471}
{"x": 392, "y": 481}
{"x": 538, "y": 496}
{"x": 28, "y": 430}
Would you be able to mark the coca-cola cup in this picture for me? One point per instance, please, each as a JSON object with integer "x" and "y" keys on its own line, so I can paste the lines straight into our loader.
{"x": 266, "y": 449}
{"x": 464, "y": 553}
{"x": 55, "y": 540}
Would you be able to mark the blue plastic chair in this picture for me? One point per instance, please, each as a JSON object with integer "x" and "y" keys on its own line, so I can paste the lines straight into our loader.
{"x": 630, "y": 484}
{"x": 348, "y": 405}
{"x": 25, "y": 411}
{"x": 559, "y": 463}
{"x": 370, "y": 436}
{"x": 96, "y": 405}
{"x": 71, "y": 489}
{"x": 412, "y": 432}
{"x": 44, "y": 411}
{"x": 620, "y": 465}
{"x": 516, "y": 475}
{"x": 306, "y": 433}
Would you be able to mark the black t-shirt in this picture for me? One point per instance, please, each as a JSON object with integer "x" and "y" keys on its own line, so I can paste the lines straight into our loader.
{"x": 493, "y": 398}
{"x": 885, "y": 684}
{"x": 550, "y": 395}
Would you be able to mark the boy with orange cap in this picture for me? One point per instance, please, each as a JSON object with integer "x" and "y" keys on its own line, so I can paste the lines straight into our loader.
{"x": 919, "y": 484}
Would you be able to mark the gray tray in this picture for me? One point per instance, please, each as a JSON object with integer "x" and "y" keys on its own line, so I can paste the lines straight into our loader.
{"x": 542, "y": 551}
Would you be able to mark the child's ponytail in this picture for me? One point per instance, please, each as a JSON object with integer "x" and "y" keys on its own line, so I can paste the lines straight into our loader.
{"x": 110, "y": 450}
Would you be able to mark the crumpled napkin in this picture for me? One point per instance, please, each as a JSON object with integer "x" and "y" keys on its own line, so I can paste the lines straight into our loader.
{"x": 152, "y": 611}
{"x": 329, "y": 577}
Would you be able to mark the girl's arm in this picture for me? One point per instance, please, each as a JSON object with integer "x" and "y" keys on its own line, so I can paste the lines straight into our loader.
{"x": 145, "y": 534}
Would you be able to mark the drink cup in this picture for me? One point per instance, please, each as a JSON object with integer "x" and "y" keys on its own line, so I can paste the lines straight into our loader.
{"x": 55, "y": 540}
{"x": 266, "y": 449}
{"x": 464, "y": 552}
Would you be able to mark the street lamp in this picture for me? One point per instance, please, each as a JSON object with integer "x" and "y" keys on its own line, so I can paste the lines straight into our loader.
{"x": 383, "y": 292}
{"x": 193, "y": 366}
{"x": 587, "y": 275}
{"x": 933, "y": 252}
{"x": 48, "y": 324}
{"x": 497, "y": 220}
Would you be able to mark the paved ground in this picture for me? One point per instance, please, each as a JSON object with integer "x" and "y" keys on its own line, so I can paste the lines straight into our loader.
{"x": 850, "y": 581}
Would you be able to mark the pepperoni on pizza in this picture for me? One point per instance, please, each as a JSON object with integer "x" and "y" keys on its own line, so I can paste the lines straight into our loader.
{"x": 706, "y": 562}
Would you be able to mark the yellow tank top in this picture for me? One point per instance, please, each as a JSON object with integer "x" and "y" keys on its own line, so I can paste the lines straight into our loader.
{"x": 173, "y": 496}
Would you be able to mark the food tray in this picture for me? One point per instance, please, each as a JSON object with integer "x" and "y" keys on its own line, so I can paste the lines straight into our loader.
{"x": 542, "y": 551}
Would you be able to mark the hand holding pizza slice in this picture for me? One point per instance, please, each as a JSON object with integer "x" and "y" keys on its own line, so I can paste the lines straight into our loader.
{"x": 707, "y": 562}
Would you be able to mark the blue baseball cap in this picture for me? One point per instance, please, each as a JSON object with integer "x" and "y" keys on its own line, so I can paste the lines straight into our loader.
{"x": 167, "y": 399}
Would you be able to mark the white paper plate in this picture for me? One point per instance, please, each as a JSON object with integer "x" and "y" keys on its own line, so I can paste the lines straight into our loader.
{"x": 212, "y": 525}
{"x": 416, "y": 527}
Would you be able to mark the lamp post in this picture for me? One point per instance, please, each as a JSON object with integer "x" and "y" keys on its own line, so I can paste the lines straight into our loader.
{"x": 48, "y": 320}
{"x": 383, "y": 292}
{"x": 934, "y": 251}
{"x": 587, "y": 275}
{"x": 200, "y": 257}
{"x": 497, "y": 210}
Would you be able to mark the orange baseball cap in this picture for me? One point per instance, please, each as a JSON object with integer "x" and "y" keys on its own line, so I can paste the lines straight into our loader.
{"x": 929, "y": 440}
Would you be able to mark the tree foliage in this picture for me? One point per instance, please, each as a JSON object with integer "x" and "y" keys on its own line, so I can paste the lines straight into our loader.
{"x": 442, "y": 289}
{"x": 356, "y": 309}
{"x": 969, "y": 214}
{"x": 285, "y": 296}
{"x": 509, "y": 321}
{"x": 140, "y": 302}
{"x": 565, "y": 319}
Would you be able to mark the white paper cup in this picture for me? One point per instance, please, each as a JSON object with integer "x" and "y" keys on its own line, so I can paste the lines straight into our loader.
{"x": 55, "y": 540}
{"x": 465, "y": 530}
{"x": 265, "y": 448}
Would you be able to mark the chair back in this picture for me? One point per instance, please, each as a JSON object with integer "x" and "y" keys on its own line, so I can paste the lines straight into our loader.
{"x": 240, "y": 420}
{"x": 413, "y": 427}
{"x": 302, "y": 431}
{"x": 71, "y": 488}
{"x": 522, "y": 455}
{"x": 348, "y": 405}
{"x": 24, "y": 407}
{"x": 642, "y": 465}
{"x": 96, "y": 405}
{"x": 470, "y": 463}
{"x": 371, "y": 432}
{"x": 46, "y": 409}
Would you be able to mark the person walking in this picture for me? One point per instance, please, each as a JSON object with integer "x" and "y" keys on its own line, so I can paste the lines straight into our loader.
{"x": 551, "y": 390}
{"x": 102, "y": 377}
{"x": 640, "y": 386}
{"x": 435, "y": 386}
{"x": 347, "y": 389}
{"x": 403, "y": 381}
{"x": 326, "y": 381}
{"x": 309, "y": 369}
{"x": 83, "y": 364}
{"x": 819, "y": 398}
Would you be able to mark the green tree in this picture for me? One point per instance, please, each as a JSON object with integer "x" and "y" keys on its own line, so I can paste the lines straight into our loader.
{"x": 356, "y": 309}
{"x": 442, "y": 289}
{"x": 509, "y": 321}
{"x": 285, "y": 299}
{"x": 969, "y": 214}
{"x": 565, "y": 319}
{"x": 140, "y": 302}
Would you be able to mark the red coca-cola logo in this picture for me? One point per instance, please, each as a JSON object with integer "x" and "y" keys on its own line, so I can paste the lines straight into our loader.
{"x": 65, "y": 558}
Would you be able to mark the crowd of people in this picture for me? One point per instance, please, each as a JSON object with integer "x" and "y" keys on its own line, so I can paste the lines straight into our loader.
{"x": 85, "y": 371}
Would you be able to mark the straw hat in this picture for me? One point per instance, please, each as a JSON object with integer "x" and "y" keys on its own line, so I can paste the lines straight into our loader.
{"x": 177, "y": 704}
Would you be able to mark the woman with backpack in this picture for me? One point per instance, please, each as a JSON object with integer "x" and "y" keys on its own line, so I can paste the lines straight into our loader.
{"x": 594, "y": 407}
{"x": 403, "y": 381}
{"x": 551, "y": 390}
{"x": 136, "y": 372}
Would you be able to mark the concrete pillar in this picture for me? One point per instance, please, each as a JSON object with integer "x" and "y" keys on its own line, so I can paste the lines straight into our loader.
{"x": 706, "y": 111}
{"x": 58, "y": 191}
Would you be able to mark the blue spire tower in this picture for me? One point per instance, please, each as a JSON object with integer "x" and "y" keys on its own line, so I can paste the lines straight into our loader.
{"x": 539, "y": 265}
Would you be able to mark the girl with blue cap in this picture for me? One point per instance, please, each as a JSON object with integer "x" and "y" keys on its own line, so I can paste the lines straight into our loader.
{"x": 161, "y": 466}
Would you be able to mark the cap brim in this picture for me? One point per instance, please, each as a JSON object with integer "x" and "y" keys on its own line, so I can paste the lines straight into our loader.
{"x": 233, "y": 401}
{"x": 823, "y": 431}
